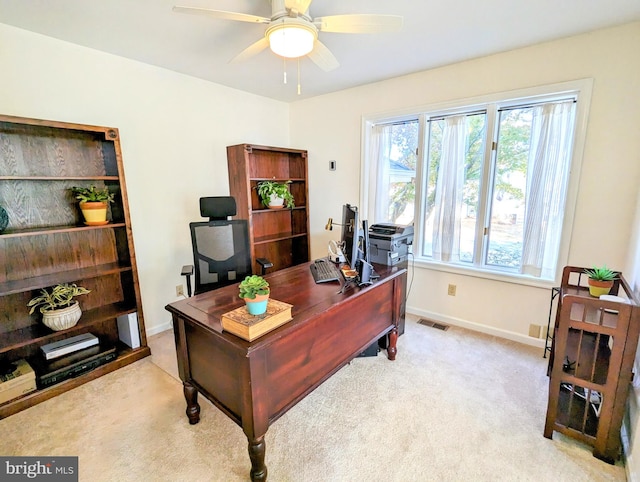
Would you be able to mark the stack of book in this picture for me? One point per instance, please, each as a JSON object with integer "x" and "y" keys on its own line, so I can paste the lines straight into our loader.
{"x": 16, "y": 379}
{"x": 249, "y": 327}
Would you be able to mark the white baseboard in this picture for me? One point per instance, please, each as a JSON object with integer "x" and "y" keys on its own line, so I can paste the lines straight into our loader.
{"x": 154, "y": 330}
{"x": 470, "y": 325}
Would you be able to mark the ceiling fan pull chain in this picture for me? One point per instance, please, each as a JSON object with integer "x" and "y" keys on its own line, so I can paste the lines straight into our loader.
{"x": 298, "y": 75}
{"x": 284, "y": 68}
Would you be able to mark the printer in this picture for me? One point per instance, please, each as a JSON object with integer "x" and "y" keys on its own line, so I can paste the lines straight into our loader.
{"x": 389, "y": 243}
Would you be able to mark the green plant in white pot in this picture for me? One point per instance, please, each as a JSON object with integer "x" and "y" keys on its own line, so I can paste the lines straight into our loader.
{"x": 600, "y": 280}
{"x": 254, "y": 290}
{"x": 57, "y": 305}
{"x": 275, "y": 194}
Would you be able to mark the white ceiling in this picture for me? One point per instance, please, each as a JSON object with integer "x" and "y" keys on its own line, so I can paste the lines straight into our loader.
{"x": 433, "y": 34}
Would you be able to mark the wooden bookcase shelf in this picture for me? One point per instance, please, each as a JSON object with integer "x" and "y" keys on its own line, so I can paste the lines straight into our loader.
{"x": 591, "y": 363}
{"x": 280, "y": 235}
{"x": 47, "y": 243}
{"x": 38, "y": 282}
{"x": 40, "y": 333}
{"x": 15, "y": 233}
{"x": 58, "y": 178}
{"x": 125, "y": 357}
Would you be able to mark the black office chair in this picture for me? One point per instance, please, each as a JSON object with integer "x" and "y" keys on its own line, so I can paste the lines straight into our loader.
{"x": 221, "y": 251}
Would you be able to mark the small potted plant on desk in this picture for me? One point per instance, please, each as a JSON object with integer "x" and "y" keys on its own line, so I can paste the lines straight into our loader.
{"x": 275, "y": 195}
{"x": 600, "y": 280}
{"x": 93, "y": 204}
{"x": 254, "y": 290}
{"x": 59, "y": 310}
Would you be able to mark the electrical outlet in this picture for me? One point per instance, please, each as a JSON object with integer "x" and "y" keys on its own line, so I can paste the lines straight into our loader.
{"x": 179, "y": 290}
{"x": 451, "y": 291}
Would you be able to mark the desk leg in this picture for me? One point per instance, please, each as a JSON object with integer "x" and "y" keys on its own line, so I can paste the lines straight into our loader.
{"x": 257, "y": 448}
{"x": 193, "y": 408}
{"x": 393, "y": 339}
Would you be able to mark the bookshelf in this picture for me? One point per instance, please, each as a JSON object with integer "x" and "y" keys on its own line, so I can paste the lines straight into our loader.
{"x": 279, "y": 235}
{"x": 46, "y": 242}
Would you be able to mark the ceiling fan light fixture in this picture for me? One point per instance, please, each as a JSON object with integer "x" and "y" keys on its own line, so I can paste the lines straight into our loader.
{"x": 291, "y": 39}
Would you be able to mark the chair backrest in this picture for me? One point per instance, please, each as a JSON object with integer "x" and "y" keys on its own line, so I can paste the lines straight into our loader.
{"x": 221, "y": 253}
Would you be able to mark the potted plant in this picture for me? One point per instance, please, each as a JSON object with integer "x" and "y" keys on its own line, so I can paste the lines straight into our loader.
{"x": 59, "y": 310}
{"x": 254, "y": 290}
{"x": 93, "y": 203}
{"x": 600, "y": 280}
{"x": 275, "y": 194}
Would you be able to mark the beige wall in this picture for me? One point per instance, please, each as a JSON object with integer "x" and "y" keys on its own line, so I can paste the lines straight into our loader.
{"x": 174, "y": 131}
{"x": 330, "y": 127}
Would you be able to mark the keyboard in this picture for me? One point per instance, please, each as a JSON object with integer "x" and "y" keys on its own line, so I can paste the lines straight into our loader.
{"x": 324, "y": 270}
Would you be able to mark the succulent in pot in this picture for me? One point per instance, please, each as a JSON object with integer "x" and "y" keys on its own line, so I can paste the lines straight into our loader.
{"x": 600, "y": 280}
{"x": 254, "y": 290}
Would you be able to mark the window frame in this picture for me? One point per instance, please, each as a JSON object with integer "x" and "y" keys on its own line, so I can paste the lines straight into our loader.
{"x": 580, "y": 89}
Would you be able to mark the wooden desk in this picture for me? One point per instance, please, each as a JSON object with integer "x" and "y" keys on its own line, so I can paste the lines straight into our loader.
{"x": 255, "y": 383}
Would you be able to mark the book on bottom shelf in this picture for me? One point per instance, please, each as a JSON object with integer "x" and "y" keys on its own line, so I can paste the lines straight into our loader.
{"x": 249, "y": 327}
{"x": 16, "y": 379}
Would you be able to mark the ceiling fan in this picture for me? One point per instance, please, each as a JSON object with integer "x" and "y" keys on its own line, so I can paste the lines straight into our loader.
{"x": 292, "y": 33}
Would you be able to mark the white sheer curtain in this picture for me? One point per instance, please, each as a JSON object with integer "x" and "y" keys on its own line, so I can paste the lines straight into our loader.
{"x": 380, "y": 150}
{"x": 449, "y": 190}
{"x": 547, "y": 173}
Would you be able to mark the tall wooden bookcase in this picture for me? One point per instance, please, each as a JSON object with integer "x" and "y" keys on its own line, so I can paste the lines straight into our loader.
{"x": 46, "y": 243}
{"x": 591, "y": 363}
{"x": 279, "y": 235}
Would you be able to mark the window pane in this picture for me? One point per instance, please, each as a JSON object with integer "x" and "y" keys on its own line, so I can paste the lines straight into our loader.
{"x": 509, "y": 188}
{"x": 474, "y": 146}
{"x": 402, "y": 173}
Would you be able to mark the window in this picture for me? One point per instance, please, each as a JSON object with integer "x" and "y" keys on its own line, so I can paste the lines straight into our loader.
{"x": 485, "y": 184}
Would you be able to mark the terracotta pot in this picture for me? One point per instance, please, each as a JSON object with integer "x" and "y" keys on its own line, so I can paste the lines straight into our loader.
{"x": 258, "y": 305}
{"x": 598, "y": 288}
{"x": 95, "y": 213}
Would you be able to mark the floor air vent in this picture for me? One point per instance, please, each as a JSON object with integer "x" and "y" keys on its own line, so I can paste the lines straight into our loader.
{"x": 433, "y": 324}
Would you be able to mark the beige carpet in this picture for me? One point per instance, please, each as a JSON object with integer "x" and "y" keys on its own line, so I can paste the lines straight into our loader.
{"x": 454, "y": 406}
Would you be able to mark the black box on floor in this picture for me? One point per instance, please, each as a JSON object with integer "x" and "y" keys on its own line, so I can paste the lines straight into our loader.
{"x": 371, "y": 350}
{"x": 55, "y": 371}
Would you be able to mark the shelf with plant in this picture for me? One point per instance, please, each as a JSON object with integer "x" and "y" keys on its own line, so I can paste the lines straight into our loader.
{"x": 272, "y": 190}
{"x": 38, "y": 334}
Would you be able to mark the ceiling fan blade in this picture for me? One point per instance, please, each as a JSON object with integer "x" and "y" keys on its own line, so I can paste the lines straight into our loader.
{"x": 301, "y": 6}
{"x": 240, "y": 17}
{"x": 251, "y": 50}
{"x": 322, "y": 57}
{"x": 359, "y": 23}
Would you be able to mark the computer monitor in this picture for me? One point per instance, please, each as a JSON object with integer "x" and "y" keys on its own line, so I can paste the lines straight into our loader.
{"x": 350, "y": 236}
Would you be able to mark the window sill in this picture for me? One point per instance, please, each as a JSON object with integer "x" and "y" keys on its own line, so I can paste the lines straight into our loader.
{"x": 486, "y": 274}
